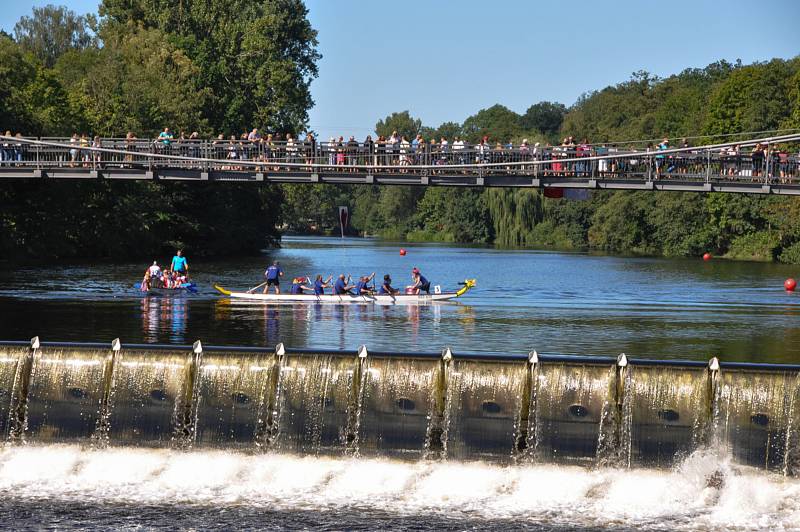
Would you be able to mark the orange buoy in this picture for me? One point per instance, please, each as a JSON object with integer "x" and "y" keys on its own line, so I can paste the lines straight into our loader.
{"x": 402, "y": 252}
{"x": 706, "y": 256}
{"x": 790, "y": 284}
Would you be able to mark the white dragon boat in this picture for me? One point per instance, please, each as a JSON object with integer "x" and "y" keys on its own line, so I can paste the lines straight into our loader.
{"x": 378, "y": 299}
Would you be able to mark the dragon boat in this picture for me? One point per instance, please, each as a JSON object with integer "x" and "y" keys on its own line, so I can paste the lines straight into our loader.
{"x": 379, "y": 299}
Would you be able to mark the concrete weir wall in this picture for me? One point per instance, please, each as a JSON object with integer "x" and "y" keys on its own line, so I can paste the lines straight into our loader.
{"x": 595, "y": 410}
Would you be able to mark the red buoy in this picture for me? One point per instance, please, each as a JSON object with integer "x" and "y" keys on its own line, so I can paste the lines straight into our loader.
{"x": 706, "y": 256}
{"x": 402, "y": 252}
{"x": 790, "y": 284}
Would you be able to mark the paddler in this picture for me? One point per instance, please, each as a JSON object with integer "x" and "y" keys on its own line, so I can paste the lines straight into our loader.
{"x": 273, "y": 275}
{"x": 179, "y": 264}
{"x": 420, "y": 282}
{"x": 362, "y": 286}
{"x": 298, "y": 287}
{"x": 386, "y": 287}
{"x": 155, "y": 273}
{"x": 341, "y": 287}
{"x": 320, "y": 285}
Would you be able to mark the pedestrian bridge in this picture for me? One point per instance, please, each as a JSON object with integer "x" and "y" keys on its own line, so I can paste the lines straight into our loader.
{"x": 773, "y": 168}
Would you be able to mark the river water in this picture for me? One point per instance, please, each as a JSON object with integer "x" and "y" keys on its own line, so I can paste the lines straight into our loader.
{"x": 568, "y": 303}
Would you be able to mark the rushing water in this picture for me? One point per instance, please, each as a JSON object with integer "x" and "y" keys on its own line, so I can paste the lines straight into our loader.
{"x": 553, "y": 302}
{"x": 130, "y": 489}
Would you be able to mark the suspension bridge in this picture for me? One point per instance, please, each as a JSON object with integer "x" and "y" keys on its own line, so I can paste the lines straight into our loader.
{"x": 754, "y": 166}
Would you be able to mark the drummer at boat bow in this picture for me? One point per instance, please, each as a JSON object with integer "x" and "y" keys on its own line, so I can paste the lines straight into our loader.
{"x": 420, "y": 282}
{"x": 179, "y": 264}
{"x": 273, "y": 275}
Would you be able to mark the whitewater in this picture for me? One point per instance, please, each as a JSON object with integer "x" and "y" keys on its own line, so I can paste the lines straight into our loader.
{"x": 136, "y": 488}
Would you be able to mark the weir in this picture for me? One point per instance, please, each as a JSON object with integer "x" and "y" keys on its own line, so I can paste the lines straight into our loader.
{"x": 507, "y": 408}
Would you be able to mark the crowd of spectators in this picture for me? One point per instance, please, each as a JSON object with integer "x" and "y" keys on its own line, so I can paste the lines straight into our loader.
{"x": 244, "y": 151}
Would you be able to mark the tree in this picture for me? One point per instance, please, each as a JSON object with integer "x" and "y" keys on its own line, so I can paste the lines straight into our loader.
{"x": 136, "y": 82}
{"x": 545, "y": 117}
{"x": 752, "y": 98}
{"x": 256, "y": 58}
{"x": 405, "y": 125}
{"x": 32, "y": 101}
{"x": 53, "y": 31}
{"x": 313, "y": 207}
{"x": 498, "y": 122}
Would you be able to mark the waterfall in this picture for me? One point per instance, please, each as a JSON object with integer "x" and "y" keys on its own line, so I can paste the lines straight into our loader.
{"x": 485, "y": 402}
{"x": 12, "y": 360}
{"x": 442, "y": 407}
{"x": 234, "y": 392}
{"x": 664, "y": 413}
{"x": 756, "y": 418}
{"x": 569, "y": 408}
{"x": 398, "y": 401}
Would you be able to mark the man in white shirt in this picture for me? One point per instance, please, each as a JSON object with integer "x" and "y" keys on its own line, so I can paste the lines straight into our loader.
{"x": 155, "y": 271}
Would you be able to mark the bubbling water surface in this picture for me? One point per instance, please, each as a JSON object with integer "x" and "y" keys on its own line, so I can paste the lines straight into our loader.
{"x": 134, "y": 487}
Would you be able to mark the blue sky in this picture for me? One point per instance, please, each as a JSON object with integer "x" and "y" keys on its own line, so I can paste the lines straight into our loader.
{"x": 445, "y": 60}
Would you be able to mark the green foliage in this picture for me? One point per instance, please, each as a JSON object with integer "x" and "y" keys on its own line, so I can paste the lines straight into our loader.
{"x": 760, "y": 245}
{"x": 751, "y": 98}
{"x": 255, "y": 58}
{"x": 514, "y": 215}
{"x": 403, "y": 123}
{"x": 790, "y": 254}
{"x": 137, "y": 82}
{"x": 498, "y": 122}
{"x": 448, "y": 130}
{"x": 52, "y": 31}
{"x": 200, "y": 65}
{"x": 455, "y": 215}
{"x": 115, "y": 219}
{"x": 545, "y": 117}
{"x": 313, "y": 208}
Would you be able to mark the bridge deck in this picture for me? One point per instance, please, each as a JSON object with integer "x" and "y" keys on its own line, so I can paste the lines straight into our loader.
{"x": 718, "y": 168}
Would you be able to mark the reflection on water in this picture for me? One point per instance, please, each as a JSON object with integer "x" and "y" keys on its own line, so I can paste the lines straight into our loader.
{"x": 164, "y": 319}
{"x": 551, "y": 302}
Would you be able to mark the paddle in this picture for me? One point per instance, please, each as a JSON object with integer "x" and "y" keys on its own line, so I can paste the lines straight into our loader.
{"x": 256, "y": 287}
{"x": 191, "y": 287}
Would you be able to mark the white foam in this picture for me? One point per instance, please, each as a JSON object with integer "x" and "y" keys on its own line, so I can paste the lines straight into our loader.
{"x": 683, "y": 498}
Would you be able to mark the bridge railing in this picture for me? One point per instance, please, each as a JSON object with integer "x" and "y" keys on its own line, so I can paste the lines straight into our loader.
{"x": 780, "y": 164}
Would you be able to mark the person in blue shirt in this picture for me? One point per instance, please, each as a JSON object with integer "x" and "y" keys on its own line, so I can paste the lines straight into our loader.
{"x": 298, "y": 287}
{"x": 362, "y": 286}
{"x": 341, "y": 287}
{"x": 179, "y": 264}
{"x": 420, "y": 282}
{"x": 386, "y": 287}
{"x": 273, "y": 275}
{"x": 320, "y": 285}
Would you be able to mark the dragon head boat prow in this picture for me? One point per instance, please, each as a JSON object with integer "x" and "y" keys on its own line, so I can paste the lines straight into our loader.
{"x": 468, "y": 283}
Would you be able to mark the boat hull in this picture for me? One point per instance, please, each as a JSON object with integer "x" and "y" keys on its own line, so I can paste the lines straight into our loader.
{"x": 347, "y": 299}
{"x": 399, "y": 299}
